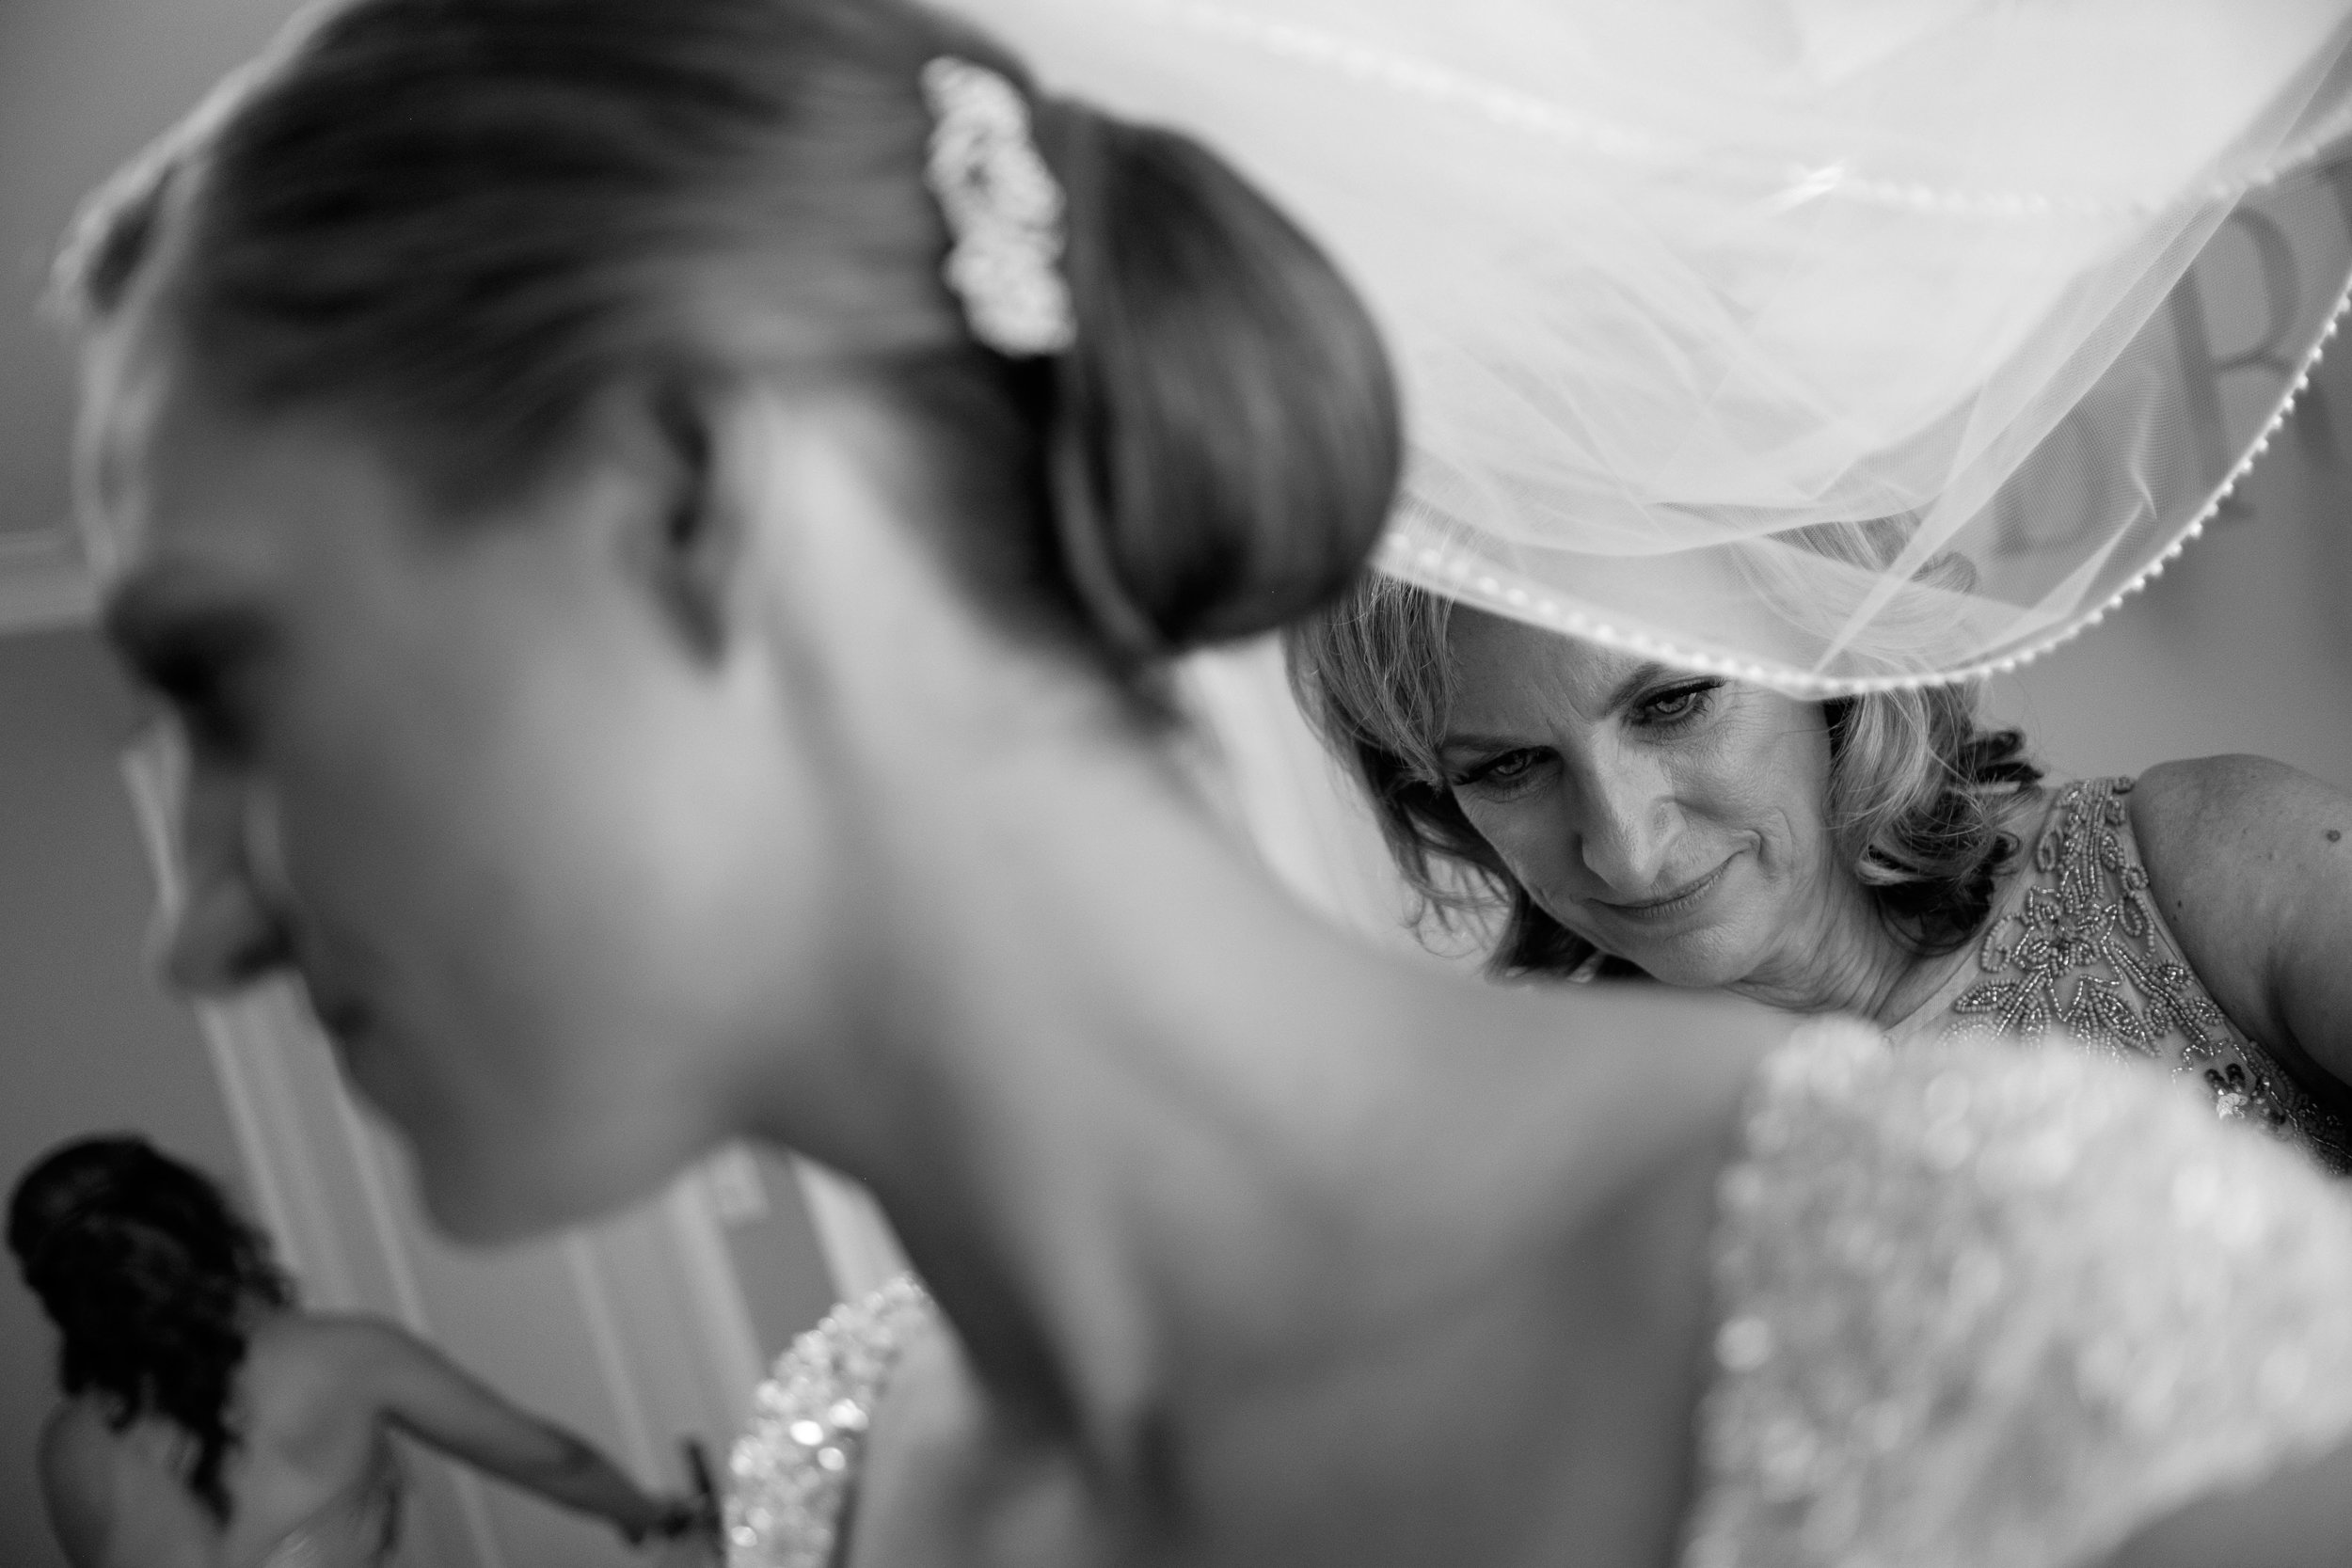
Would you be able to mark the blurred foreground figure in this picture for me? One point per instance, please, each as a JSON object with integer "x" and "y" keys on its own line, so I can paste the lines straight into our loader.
{"x": 662, "y": 527}
{"x": 210, "y": 1421}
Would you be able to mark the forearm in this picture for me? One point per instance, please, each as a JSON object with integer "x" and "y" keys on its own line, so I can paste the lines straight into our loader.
{"x": 577, "y": 1475}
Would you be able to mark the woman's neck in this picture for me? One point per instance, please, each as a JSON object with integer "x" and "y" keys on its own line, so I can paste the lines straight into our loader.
{"x": 1846, "y": 959}
{"x": 1150, "y": 1127}
{"x": 1152, "y": 1133}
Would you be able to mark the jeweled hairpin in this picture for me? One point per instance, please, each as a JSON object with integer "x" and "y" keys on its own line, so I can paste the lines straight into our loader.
{"x": 1003, "y": 210}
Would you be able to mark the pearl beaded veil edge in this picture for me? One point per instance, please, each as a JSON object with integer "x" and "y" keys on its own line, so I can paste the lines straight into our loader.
{"x": 1830, "y": 344}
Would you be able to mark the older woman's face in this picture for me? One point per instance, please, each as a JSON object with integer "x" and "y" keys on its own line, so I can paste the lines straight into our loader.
{"x": 1674, "y": 820}
{"x": 533, "y": 853}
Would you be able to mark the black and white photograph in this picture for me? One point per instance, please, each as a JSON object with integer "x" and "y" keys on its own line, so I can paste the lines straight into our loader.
{"x": 1176, "y": 784}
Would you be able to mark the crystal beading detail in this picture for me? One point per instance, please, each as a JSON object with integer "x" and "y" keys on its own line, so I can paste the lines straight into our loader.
{"x": 1004, "y": 208}
{"x": 1983, "y": 1302}
{"x": 2084, "y": 950}
{"x": 794, "y": 1468}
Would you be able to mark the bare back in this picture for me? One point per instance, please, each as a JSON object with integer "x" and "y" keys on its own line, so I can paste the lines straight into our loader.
{"x": 314, "y": 1463}
{"x": 316, "y": 1458}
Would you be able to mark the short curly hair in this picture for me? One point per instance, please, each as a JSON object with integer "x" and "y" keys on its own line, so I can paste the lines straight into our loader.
{"x": 1920, "y": 796}
{"x": 149, "y": 1274}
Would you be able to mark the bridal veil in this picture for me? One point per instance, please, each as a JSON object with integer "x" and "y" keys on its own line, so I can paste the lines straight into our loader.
{"x": 1833, "y": 343}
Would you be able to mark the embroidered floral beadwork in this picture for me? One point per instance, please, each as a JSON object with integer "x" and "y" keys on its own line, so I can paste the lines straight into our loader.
{"x": 794, "y": 1468}
{"x": 2084, "y": 951}
{"x": 1982, "y": 1303}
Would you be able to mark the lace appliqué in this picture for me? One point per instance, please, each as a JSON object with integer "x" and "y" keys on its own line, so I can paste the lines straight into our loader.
{"x": 1986, "y": 1304}
{"x": 2085, "y": 953}
{"x": 793, "y": 1469}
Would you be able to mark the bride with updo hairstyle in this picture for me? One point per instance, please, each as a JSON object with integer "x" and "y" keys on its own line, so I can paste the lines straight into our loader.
{"x": 693, "y": 197}
{"x": 661, "y": 526}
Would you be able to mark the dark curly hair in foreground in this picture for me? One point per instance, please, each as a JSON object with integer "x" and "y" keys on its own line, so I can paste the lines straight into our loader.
{"x": 1920, "y": 798}
{"x": 149, "y": 1274}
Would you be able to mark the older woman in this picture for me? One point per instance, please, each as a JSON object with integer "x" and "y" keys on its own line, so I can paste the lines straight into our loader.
{"x": 210, "y": 1421}
{"x": 1881, "y": 855}
{"x": 659, "y": 526}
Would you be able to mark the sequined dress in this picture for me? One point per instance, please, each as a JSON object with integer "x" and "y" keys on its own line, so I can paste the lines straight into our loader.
{"x": 2077, "y": 945}
{"x": 794, "y": 1471}
{"x": 1980, "y": 1305}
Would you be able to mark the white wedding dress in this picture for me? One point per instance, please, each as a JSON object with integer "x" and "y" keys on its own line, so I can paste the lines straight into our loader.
{"x": 1980, "y": 1305}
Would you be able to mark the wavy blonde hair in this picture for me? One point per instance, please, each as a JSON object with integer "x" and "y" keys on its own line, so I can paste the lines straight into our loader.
{"x": 1920, "y": 796}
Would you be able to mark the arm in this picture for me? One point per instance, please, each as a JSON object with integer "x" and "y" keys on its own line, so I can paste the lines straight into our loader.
{"x": 2252, "y": 863}
{"x": 427, "y": 1396}
{"x": 75, "y": 1488}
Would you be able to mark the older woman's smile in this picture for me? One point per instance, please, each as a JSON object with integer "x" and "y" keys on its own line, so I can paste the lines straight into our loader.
{"x": 1670, "y": 905}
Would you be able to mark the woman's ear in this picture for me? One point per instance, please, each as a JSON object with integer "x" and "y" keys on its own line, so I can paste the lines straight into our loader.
{"x": 693, "y": 544}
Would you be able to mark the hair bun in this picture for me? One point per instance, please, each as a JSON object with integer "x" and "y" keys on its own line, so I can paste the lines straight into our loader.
{"x": 1226, "y": 444}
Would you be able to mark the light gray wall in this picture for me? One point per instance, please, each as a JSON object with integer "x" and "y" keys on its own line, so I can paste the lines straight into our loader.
{"x": 83, "y": 85}
{"x": 87, "y": 1042}
{"x": 2245, "y": 645}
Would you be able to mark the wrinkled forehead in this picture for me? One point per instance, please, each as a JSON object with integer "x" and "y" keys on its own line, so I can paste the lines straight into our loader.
{"x": 1503, "y": 667}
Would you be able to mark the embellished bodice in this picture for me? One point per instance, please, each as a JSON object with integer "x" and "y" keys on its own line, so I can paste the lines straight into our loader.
{"x": 1987, "y": 1306}
{"x": 1978, "y": 1305}
{"x": 2077, "y": 943}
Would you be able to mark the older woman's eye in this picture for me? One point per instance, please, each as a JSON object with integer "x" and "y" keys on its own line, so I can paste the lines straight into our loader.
{"x": 1500, "y": 774}
{"x": 1677, "y": 705}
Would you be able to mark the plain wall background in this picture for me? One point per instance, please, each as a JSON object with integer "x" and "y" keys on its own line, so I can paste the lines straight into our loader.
{"x": 83, "y": 85}
{"x": 2244, "y": 645}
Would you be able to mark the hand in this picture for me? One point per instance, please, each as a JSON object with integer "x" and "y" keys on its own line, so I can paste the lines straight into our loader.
{"x": 677, "y": 1516}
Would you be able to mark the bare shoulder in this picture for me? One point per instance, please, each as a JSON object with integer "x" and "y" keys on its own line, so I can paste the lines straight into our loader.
{"x": 299, "y": 1363}
{"x": 2250, "y": 860}
{"x": 116, "y": 1495}
{"x": 2219, "y": 830}
{"x": 338, "y": 1337}
{"x": 74, "y": 1442}
{"x": 2180, "y": 803}
{"x": 75, "y": 1481}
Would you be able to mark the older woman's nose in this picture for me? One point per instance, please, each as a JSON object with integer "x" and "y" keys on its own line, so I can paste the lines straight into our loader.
{"x": 1623, "y": 829}
{"x": 217, "y": 931}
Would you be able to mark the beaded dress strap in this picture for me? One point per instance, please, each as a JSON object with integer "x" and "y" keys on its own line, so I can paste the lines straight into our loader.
{"x": 795, "y": 1469}
{"x": 2083, "y": 947}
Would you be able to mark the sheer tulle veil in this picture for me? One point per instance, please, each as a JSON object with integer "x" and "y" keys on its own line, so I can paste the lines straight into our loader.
{"x": 1835, "y": 344}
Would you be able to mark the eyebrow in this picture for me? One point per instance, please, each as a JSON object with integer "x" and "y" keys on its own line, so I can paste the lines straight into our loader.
{"x": 1640, "y": 676}
{"x": 1474, "y": 742}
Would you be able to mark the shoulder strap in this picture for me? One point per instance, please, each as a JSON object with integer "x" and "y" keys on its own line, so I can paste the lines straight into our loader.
{"x": 796, "y": 1466}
